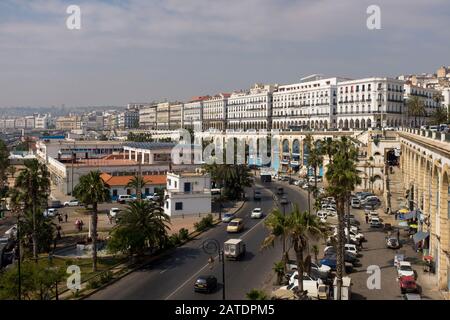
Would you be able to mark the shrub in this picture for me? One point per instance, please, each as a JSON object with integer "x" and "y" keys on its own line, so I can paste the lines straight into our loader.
{"x": 205, "y": 223}
{"x": 174, "y": 239}
{"x": 106, "y": 277}
{"x": 183, "y": 234}
{"x": 93, "y": 283}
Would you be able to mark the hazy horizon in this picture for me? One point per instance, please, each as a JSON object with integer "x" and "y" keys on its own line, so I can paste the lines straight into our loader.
{"x": 140, "y": 51}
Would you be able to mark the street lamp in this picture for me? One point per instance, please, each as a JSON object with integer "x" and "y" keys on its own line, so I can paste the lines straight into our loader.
{"x": 212, "y": 246}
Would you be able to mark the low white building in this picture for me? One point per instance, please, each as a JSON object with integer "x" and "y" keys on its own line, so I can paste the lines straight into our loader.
{"x": 187, "y": 193}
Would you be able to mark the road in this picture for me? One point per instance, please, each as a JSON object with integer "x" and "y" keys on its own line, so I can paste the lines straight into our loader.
{"x": 172, "y": 277}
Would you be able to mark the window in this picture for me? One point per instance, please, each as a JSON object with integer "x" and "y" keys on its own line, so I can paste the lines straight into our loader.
{"x": 147, "y": 190}
{"x": 178, "y": 205}
{"x": 128, "y": 191}
{"x": 175, "y": 184}
{"x": 187, "y": 187}
{"x": 114, "y": 193}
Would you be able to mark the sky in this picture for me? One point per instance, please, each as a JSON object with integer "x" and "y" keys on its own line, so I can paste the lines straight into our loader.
{"x": 145, "y": 50}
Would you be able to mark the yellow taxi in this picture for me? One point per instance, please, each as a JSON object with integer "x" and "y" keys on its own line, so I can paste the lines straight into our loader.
{"x": 235, "y": 225}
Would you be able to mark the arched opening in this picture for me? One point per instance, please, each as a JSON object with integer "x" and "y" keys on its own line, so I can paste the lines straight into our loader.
{"x": 369, "y": 123}
{"x": 285, "y": 146}
{"x": 352, "y": 124}
{"x": 346, "y": 124}
{"x": 357, "y": 123}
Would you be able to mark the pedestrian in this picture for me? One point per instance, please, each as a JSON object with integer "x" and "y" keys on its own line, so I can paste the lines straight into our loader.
{"x": 398, "y": 234}
{"x": 66, "y": 217}
{"x": 361, "y": 243}
{"x": 367, "y": 218}
{"x": 396, "y": 215}
{"x": 59, "y": 218}
{"x": 81, "y": 225}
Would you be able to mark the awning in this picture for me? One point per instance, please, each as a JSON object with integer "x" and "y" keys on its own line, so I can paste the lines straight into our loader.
{"x": 409, "y": 215}
{"x": 419, "y": 236}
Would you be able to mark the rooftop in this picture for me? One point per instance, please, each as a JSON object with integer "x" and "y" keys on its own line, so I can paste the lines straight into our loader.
{"x": 150, "y": 145}
{"x": 123, "y": 180}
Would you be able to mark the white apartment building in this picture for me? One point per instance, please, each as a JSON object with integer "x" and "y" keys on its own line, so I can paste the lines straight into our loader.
{"x": 187, "y": 193}
{"x": 162, "y": 116}
{"x": 193, "y": 113}
{"x": 147, "y": 117}
{"x": 369, "y": 103}
{"x": 308, "y": 104}
{"x": 251, "y": 109}
{"x": 215, "y": 112}
{"x": 41, "y": 121}
{"x": 176, "y": 116}
{"x": 427, "y": 95}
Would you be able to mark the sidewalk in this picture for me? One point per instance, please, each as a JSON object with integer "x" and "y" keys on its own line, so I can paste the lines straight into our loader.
{"x": 427, "y": 281}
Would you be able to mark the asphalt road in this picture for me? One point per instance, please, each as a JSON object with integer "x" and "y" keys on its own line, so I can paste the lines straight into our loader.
{"x": 172, "y": 277}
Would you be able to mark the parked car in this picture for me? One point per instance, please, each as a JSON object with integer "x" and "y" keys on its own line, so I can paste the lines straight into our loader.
{"x": 356, "y": 203}
{"x": 407, "y": 284}
{"x": 351, "y": 248}
{"x": 235, "y": 225}
{"x": 113, "y": 212}
{"x": 392, "y": 243}
{"x": 205, "y": 284}
{"x": 375, "y": 223}
{"x": 152, "y": 197}
{"x": 404, "y": 269}
{"x": 256, "y": 213}
{"x": 321, "y": 214}
{"x": 124, "y": 198}
{"x": 227, "y": 217}
{"x": 331, "y": 262}
{"x": 52, "y": 212}
{"x": 72, "y": 203}
{"x": 257, "y": 195}
{"x": 280, "y": 190}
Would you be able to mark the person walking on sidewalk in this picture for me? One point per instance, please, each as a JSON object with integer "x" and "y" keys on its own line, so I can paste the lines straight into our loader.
{"x": 367, "y": 218}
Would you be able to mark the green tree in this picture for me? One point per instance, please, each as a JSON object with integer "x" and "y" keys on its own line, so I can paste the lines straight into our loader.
{"x": 255, "y": 294}
{"x": 233, "y": 178}
{"x": 30, "y": 194}
{"x": 415, "y": 108}
{"x": 278, "y": 268}
{"x": 303, "y": 227}
{"x": 38, "y": 281}
{"x": 141, "y": 226}
{"x": 277, "y": 223}
{"x": 137, "y": 183}
{"x": 342, "y": 176}
{"x": 439, "y": 116}
{"x": 4, "y": 170}
{"x": 92, "y": 190}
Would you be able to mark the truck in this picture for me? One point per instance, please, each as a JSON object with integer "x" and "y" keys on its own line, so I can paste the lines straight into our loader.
{"x": 234, "y": 249}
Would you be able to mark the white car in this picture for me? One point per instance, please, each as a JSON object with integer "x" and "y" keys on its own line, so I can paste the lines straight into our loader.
{"x": 71, "y": 203}
{"x": 50, "y": 212}
{"x": 113, "y": 212}
{"x": 331, "y": 211}
{"x": 256, "y": 213}
{"x": 152, "y": 197}
{"x": 351, "y": 248}
{"x": 375, "y": 223}
{"x": 404, "y": 269}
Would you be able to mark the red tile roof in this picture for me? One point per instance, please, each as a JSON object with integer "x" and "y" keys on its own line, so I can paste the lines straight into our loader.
{"x": 123, "y": 180}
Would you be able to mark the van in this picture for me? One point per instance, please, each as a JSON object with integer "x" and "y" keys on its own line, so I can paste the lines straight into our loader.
{"x": 356, "y": 203}
{"x": 123, "y": 198}
{"x": 54, "y": 204}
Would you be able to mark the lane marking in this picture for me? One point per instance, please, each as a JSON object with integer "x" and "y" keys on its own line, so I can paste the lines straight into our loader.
{"x": 216, "y": 257}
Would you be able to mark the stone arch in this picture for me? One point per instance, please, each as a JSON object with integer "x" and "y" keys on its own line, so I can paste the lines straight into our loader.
{"x": 341, "y": 124}
{"x": 363, "y": 123}
{"x": 346, "y": 124}
{"x": 352, "y": 124}
{"x": 296, "y": 146}
{"x": 369, "y": 123}
{"x": 285, "y": 145}
{"x": 357, "y": 123}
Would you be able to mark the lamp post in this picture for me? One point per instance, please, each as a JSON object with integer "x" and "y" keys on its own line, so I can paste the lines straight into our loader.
{"x": 212, "y": 246}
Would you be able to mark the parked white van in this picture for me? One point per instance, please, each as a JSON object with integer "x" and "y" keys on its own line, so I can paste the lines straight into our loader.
{"x": 123, "y": 198}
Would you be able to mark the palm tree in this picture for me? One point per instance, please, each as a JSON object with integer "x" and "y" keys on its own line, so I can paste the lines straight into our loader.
{"x": 137, "y": 183}
{"x": 141, "y": 226}
{"x": 342, "y": 176}
{"x": 315, "y": 251}
{"x": 416, "y": 108}
{"x": 276, "y": 222}
{"x": 31, "y": 191}
{"x": 303, "y": 227}
{"x": 92, "y": 190}
{"x": 315, "y": 160}
{"x": 278, "y": 268}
